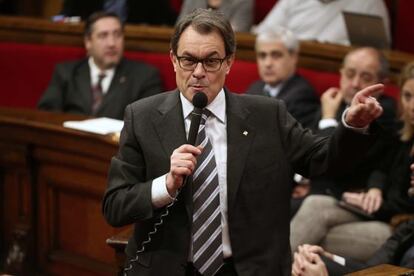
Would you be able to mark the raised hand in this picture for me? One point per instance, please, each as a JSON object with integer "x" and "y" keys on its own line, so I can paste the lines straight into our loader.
{"x": 364, "y": 108}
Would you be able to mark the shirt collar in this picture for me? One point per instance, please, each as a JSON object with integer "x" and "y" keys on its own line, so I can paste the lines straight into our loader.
{"x": 95, "y": 71}
{"x": 217, "y": 106}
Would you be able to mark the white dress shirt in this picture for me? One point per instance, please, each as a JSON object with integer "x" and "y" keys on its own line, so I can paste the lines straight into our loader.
{"x": 273, "y": 90}
{"x": 95, "y": 72}
{"x": 314, "y": 20}
{"x": 217, "y": 133}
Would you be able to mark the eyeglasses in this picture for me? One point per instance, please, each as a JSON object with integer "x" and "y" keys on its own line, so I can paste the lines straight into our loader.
{"x": 209, "y": 64}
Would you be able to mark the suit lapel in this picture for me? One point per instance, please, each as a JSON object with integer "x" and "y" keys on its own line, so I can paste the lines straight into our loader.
{"x": 240, "y": 135}
{"x": 284, "y": 91}
{"x": 170, "y": 127}
{"x": 83, "y": 84}
{"x": 169, "y": 123}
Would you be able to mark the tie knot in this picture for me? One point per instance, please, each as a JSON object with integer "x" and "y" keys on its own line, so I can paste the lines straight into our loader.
{"x": 204, "y": 116}
{"x": 101, "y": 76}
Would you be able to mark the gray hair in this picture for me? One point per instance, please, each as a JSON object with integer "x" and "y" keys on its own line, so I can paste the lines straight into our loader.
{"x": 281, "y": 34}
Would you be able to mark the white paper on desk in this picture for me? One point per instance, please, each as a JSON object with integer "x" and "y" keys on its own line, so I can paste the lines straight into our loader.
{"x": 99, "y": 125}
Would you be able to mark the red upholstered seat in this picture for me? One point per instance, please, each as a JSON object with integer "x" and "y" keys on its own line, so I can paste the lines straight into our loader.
{"x": 26, "y": 70}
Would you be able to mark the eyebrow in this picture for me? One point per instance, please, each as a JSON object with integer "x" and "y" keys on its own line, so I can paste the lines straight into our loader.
{"x": 185, "y": 53}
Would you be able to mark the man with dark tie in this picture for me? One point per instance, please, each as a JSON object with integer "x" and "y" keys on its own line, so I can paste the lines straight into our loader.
{"x": 277, "y": 52}
{"x": 232, "y": 215}
{"x": 104, "y": 83}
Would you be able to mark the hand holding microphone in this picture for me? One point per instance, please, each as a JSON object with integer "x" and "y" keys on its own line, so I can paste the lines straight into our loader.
{"x": 184, "y": 158}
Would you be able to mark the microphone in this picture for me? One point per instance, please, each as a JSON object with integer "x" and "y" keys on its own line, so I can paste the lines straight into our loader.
{"x": 199, "y": 102}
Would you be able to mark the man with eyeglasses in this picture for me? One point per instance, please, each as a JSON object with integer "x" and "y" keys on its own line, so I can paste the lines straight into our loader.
{"x": 233, "y": 220}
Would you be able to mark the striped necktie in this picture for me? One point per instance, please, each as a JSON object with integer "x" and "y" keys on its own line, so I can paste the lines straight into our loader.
{"x": 206, "y": 228}
{"x": 97, "y": 94}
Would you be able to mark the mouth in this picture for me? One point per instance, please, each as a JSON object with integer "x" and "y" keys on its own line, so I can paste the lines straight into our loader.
{"x": 198, "y": 87}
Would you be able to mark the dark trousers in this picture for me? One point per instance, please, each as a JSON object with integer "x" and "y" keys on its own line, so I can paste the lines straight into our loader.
{"x": 226, "y": 270}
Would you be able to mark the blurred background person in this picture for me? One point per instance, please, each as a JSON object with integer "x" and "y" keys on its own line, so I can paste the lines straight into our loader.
{"x": 277, "y": 52}
{"x": 103, "y": 83}
{"x": 313, "y": 260}
{"x": 238, "y": 12}
{"x": 321, "y": 221}
{"x": 321, "y": 20}
{"x": 155, "y": 12}
{"x": 361, "y": 68}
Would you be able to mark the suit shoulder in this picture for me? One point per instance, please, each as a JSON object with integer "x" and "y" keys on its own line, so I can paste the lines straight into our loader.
{"x": 256, "y": 88}
{"x": 257, "y": 101}
{"x": 139, "y": 66}
{"x": 302, "y": 83}
{"x": 154, "y": 101}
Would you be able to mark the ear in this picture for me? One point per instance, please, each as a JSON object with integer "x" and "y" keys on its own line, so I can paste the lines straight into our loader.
{"x": 229, "y": 62}
{"x": 174, "y": 60}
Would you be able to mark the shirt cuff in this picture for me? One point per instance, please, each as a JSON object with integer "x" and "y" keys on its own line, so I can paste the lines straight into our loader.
{"x": 159, "y": 193}
{"x": 329, "y": 122}
{"x": 362, "y": 130}
{"x": 338, "y": 259}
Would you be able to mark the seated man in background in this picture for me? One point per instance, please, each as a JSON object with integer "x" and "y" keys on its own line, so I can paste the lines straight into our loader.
{"x": 277, "y": 52}
{"x": 321, "y": 20}
{"x": 362, "y": 67}
{"x": 104, "y": 83}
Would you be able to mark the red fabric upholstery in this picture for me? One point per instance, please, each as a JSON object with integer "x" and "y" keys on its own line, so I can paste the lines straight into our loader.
{"x": 26, "y": 70}
{"x": 404, "y": 31}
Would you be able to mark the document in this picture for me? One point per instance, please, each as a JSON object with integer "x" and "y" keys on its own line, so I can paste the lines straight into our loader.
{"x": 98, "y": 125}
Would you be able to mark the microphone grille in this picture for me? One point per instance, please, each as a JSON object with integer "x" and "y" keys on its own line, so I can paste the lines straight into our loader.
{"x": 200, "y": 100}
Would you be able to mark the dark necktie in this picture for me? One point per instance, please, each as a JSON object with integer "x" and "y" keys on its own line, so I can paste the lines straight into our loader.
{"x": 97, "y": 94}
{"x": 206, "y": 228}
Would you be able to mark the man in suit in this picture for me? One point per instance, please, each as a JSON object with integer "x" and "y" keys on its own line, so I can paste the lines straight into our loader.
{"x": 361, "y": 68}
{"x": 277, "y": 51}
{"x": 104, "y": 83}
{"x": 252, "y": 145}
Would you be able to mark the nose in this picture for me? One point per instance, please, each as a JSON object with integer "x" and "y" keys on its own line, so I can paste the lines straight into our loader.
{"x": 356, "y": 82}
{"x": 111, "y": 41}
{"x": 267, "y": 60}
{"x": 199, "y": 71}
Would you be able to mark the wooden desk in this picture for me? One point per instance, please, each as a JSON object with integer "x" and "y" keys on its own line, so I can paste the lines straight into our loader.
{"x": 382, "y": 270}
{"x": 313, "y": 55}
{"x": 52, "y": 180}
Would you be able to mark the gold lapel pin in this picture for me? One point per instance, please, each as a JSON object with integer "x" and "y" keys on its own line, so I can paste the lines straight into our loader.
{"x": 245, "y": 133}
{"x": 122, "y": 79}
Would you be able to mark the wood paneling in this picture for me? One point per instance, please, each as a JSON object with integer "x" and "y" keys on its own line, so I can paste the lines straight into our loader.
{"x": 53, "y": 182}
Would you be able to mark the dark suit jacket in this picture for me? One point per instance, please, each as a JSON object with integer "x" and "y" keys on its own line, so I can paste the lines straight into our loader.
{"x": 359, "y": 178}
{"x": 259, "y": 166}
{"x": 70, "y": 88}
{"x": 299, "y": 96}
